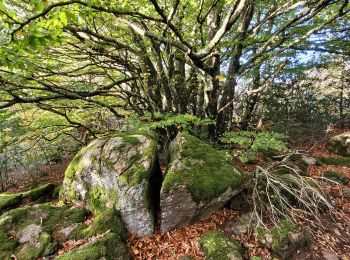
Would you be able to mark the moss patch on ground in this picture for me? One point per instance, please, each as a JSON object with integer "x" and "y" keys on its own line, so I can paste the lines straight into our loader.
{"x": 339, "y": 161}
{"x": 216, "y": 245}
{"x": 205, "y": 171}
{"x": 286, "y": 238}
{"x": 280, "y": 234}
{"x": 336, "y": 176}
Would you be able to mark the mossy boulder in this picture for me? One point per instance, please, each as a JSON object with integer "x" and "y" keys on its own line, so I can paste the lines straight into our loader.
{"x": 117, "y": 172}
{"x": 43, "y": 191}
{"x": 199, "y": 181}
{"x": 107, "y": 247}
{"x": 336, "y": 176}
{"x": 286, "y": 239}
{"x": 35, "y": 231}
{"x": 10, "y": 200}
{"x": 217, "y": 246}
{"x": 338, "y": 161}
{"x": 340, "y": 144}
{"x": 27, "y": 232}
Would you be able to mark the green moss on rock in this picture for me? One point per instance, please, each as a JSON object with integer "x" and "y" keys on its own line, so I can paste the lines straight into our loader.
{"x": 34, "y": 227}
{"x": 33, "y": 232}
{"x": 339, "y": 161}
{"x": 9, "y": 200}
{"x": 336, "y": 176}
{"x": 107, "y": 247}
{"x": 107, "y": 221}
{"x": 41, "y": 247}
{"x": 115, "y": 172}
{"x": 280, "y": 233}
{"x": 205, "y": 171}
{"x": 46, "y": 190}
{"x": 217, "y": 246}
{"x": 7, "y": 244}
{"x": 286, "y": 239}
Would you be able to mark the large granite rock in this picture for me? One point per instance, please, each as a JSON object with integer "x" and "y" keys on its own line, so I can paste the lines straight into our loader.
{"x": 199, "y": 181}
{"x": 340, "y": 144}
{"x": 117, "y": 172}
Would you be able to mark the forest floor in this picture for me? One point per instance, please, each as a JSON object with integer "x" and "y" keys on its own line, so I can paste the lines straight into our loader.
{"x": 331, "y": 239}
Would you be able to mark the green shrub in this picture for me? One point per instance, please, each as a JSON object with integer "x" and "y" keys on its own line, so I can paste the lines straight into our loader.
{"x": 249, "y": 143}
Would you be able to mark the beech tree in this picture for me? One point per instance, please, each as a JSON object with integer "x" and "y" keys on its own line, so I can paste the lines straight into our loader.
{"x": 151, "y": 57}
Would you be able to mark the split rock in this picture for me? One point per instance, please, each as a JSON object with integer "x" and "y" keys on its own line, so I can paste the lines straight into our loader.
{"x": 199, "y": 181}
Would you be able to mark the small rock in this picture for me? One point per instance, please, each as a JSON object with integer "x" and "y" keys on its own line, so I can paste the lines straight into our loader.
{"x": 329, "y": 256}
{"x": 309, "y": 160}
{"x": 68, "y": 230}
{"x": 240, "y": 225}
{"x": 30, "y": 234}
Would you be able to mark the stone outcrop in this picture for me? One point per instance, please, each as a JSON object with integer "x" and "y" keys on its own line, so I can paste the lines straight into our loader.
{"x": 27, "y": 232}
{"x": 199, "y": 181}
{"x": 340, "y": 144}
{"x": 34, "y": 232}
{"x": 117, "y": 172}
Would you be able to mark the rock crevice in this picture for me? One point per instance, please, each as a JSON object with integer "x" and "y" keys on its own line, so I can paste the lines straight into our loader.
{"x": 123, "y": 172}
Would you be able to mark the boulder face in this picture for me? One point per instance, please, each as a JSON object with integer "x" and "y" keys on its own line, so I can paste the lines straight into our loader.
{"x": 199, "y": 181}
{"x": 340, "y": 144}
{"x": 117, "y": 172}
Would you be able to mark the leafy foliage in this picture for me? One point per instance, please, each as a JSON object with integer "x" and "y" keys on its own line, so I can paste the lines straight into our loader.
{"x": 249, "y": 143}
{"x": 180, "y": 121}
